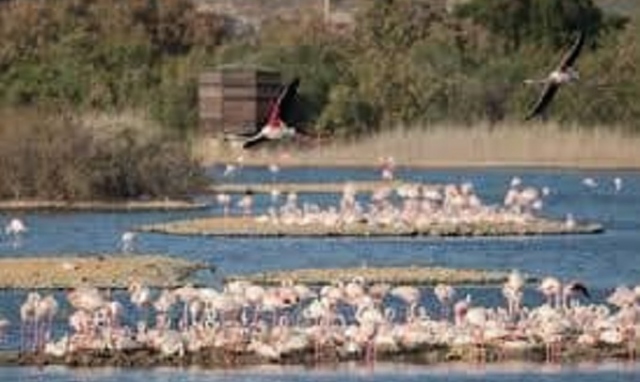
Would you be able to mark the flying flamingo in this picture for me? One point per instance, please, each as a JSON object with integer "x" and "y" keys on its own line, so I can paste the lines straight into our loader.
{"x": 563, "y": 74}
{"x": 279, "y": 116}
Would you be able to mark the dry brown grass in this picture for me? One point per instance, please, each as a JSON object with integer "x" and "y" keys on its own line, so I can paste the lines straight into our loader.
{"x": 540, "y": 145}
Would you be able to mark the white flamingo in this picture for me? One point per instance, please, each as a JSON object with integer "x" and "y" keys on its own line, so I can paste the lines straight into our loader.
{"x": 127, "y": 241}
{"x": 15, "y": 229}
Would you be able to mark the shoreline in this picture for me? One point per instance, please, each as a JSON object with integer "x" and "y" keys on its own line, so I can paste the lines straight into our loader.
{"x": 453, "y": 165}
{"x": 412, "y": 275}
{"x": 240, "y": 226}
{"x": 238, "y": 358}
{"x": 114, "y": 271}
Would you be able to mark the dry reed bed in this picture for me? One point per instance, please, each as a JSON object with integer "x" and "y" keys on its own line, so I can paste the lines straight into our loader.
{"x": 391, "y": 275}
{"x": 249, "y": 226}
{"x": 508, "y": 144}
{"x": 103, "y": 271}
{"x": 265, "y": 188}
{"x": 132, "y": 205}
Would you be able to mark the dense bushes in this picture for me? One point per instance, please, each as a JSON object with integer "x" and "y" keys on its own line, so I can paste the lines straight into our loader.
{"x": 405, "y": 62}
{"x": 61, "y": 158}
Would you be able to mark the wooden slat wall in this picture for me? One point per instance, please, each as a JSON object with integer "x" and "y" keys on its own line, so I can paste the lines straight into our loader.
{"x": 232, "y": 99}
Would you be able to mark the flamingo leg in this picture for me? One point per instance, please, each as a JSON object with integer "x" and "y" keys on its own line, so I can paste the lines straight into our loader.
{"x": 36, "y": 337}
{"x": 23, "y": 335}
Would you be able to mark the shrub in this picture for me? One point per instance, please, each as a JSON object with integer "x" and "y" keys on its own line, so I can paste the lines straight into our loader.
{"x": 61, "y": 158}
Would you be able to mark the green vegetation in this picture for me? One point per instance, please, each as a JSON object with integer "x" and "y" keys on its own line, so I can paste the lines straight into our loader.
{"x": 58, "y": 157}
{"x": 405, "y": 62}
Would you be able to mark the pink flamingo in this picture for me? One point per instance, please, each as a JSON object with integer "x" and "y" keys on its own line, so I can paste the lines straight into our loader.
{"x": 162, "y": 306}
{"x": 140, "y": 297}
{"x": 28, "y": 320}
{"x": 4, "y": 324}
{"x": 551, "y": 288}
{"x": 445, "y": 294}
{"x": 410, "y": 295}
{"x": 45, "y": 309}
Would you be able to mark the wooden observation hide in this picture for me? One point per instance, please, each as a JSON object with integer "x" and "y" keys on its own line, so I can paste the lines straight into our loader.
{"x": 233, "y": 99}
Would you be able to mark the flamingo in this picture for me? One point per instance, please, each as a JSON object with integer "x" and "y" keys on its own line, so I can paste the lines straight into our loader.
{"x": 563, "y": 74}
{"x": 162, "y": 306}
{"x": 276, "y": 127}
{"x": 388, "y": 165}
{"x": 476, "y": 318}
{"x": 590, "y": 182}
{"x": 370, "y": 320}
{"x": 127, "y": 241}
{"x": 140, "y": 296}
{"x": 245, "y": 203}
{"x": 15, "y": 228}
{"x": 45, "y": 309}
{"x": 410, "y": 295}
{"x": 551, "y": 288}
{"x": 224, "y": 200}
{"x": 573, "y": 289}
{"x": 28, "y": 320}
{"x": 445, "y": 294}
{"x": 274, "y": 169}
{"x": 569, "y": 221}
{"x": 512, "y": 290}
{"x": 4, "y": 325}
{"x": 229, "y": 169}
{"x": 617, "y": 183}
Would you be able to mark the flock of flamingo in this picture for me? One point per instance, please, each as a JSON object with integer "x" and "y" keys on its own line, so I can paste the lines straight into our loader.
{"x": 419, "y": 205}
{"x": 353, "y": 320}
{"x": 349, "y": 319}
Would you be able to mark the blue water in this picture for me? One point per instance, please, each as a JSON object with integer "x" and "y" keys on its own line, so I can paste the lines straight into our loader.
{"x": 606, "y": 372}
{"x": 601, "y": 261}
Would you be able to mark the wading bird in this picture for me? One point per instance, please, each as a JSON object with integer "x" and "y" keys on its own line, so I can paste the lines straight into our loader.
{"x": 126, "y": 241}
{"x": 15, "y": 229}
{"x": 278, "y": 120}
{"x": 564, "y": 73}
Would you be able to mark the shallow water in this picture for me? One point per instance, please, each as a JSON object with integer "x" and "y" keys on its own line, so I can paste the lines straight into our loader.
{"x": 607, "y": 372}
{"x": 602, "y": 261}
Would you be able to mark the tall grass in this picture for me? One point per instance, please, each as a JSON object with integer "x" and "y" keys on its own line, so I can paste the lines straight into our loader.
{"x": 62, "y": 156}
{"x": 509, "y": 144}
